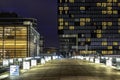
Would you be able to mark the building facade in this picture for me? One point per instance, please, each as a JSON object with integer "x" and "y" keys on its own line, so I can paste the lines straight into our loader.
{"x": 89, "y": 26}
{"x": 41, "y": 43}
{"x": 18, "y": 37}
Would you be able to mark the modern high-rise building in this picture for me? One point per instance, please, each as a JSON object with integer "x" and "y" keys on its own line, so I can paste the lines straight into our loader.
{"x": 18, "y": 36}
{"x": 89, "y": 26}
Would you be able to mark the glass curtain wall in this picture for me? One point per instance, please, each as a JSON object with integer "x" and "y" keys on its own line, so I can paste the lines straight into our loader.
{"x": 33, "y": 42}
{"x": 13, "y": 41}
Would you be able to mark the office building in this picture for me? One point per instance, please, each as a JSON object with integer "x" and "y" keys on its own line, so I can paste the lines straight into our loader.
{"x": 18, "y": 36}
{"x": 42, "y": 44}
{"x": 89, "y": 26}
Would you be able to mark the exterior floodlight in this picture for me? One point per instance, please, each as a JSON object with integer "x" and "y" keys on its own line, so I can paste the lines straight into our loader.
{"x": 20, "y": 59}
{"x": 33, "y": 63}
{"x": 42, "y": 61}
{"x": 97, "y": 60}
{"x": 91, "y": 59}
{"x": 109, "y": 62}
{"x": 54, "y": 57}
{"x": 11, "y": 61}
{"x": 26, "y": 65}
{"x": 5, "y": 62}
{"x": 87, "y": 58}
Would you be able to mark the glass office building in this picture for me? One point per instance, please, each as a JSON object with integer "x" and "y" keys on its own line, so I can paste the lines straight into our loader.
{"x": 89, "y": 26}
{"x": 18, "y": 37}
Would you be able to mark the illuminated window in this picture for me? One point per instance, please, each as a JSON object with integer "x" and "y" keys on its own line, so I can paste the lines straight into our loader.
{"x": 109, "y": 12}
{"x": 109, "y": 8}
{"x": 60, "y": 27}
{"x": 82, "y": 8}
{"x": 71, "y": 27}
{"x": 118, "y": 4}
{"x": 104, "y": 12}
{"x": 115, "y": 12}
{"x": 66, "y": 23}
{"x": 66, "y": 12}
{"x": 61, "y": 8}
{"x": 104, "y": 23}
{"x": 103, "y": 4}
{"x": 109, "y": 47}
{"x": 114, "y": 0}
{"x": 66, "y": 8}
{"x": 71, "y": 1}
{"x": 99, "y": 31}
{"x": 109, "y": 0}
{"x": 104, "y": 52}
{"x": 88, "y": 39}
{"x": 99, "y": 35}
{"x": 60, "y": 19}
{"x": 109, "y": 23}
{"x": 118, "y": 31}
{"x": 60, "y": 1}
{"x": 115, "y": 43}
{"x": 82, "y": 19}
{"x": 109, "y": 4}
{"x": 98, "y": 4}
{"x": 110, "y": 52}
{"x": 1, "y": 33}
{"x": 21, "y": 33}
{"x": 60, "y": 12}
{"x": 87, "y": 19}
{"x": 61, "y": 23}
{"x": 82, "y": 23}
{"x": 104, "y": 43}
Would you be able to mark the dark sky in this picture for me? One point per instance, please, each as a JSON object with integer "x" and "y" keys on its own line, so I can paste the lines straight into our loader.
{"x": 45, "y": 11}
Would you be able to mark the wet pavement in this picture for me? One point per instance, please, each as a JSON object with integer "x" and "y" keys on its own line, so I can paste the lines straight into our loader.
{"x": 69, "y": 69}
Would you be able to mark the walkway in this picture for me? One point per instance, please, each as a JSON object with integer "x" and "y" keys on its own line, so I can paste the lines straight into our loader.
{"x": 70, "y": 69}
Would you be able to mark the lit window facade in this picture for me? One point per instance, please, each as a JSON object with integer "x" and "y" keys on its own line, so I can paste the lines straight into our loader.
{"x": 94, "y": 23}
{"x": 18, "y": 38}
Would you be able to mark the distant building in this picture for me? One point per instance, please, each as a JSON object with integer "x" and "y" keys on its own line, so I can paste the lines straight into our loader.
{"x": 18, "y": 36}
{"x": 50, "y": 50}
{"x": 89, "y": 26}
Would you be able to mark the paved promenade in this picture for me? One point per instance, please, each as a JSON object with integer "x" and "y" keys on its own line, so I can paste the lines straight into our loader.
{"x": 69, "y": 69}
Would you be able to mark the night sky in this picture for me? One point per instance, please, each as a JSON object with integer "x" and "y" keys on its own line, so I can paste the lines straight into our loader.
{"x": 45, "y": 11}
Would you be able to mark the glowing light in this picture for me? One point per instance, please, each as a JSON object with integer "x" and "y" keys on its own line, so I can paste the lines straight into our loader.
{"x": 97, "y": 60}
{"x": 5, "y": 62}
{"x": 11, "y": 61}
{"x": 42, "y": 61}
{"x": 33, "y": 63}
{"x": 26, "y": 65}
{"x": 55, "y": 57}
{"x": 91, "y": 59}
{"x": 87, "y": 58}
{"x": 20, "y": 59}
{"x": 46, "y": 58}
{"x": 109, "y": 62}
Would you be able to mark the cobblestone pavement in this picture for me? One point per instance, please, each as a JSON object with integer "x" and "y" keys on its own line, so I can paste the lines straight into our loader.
{"x": 70, "y": 69}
